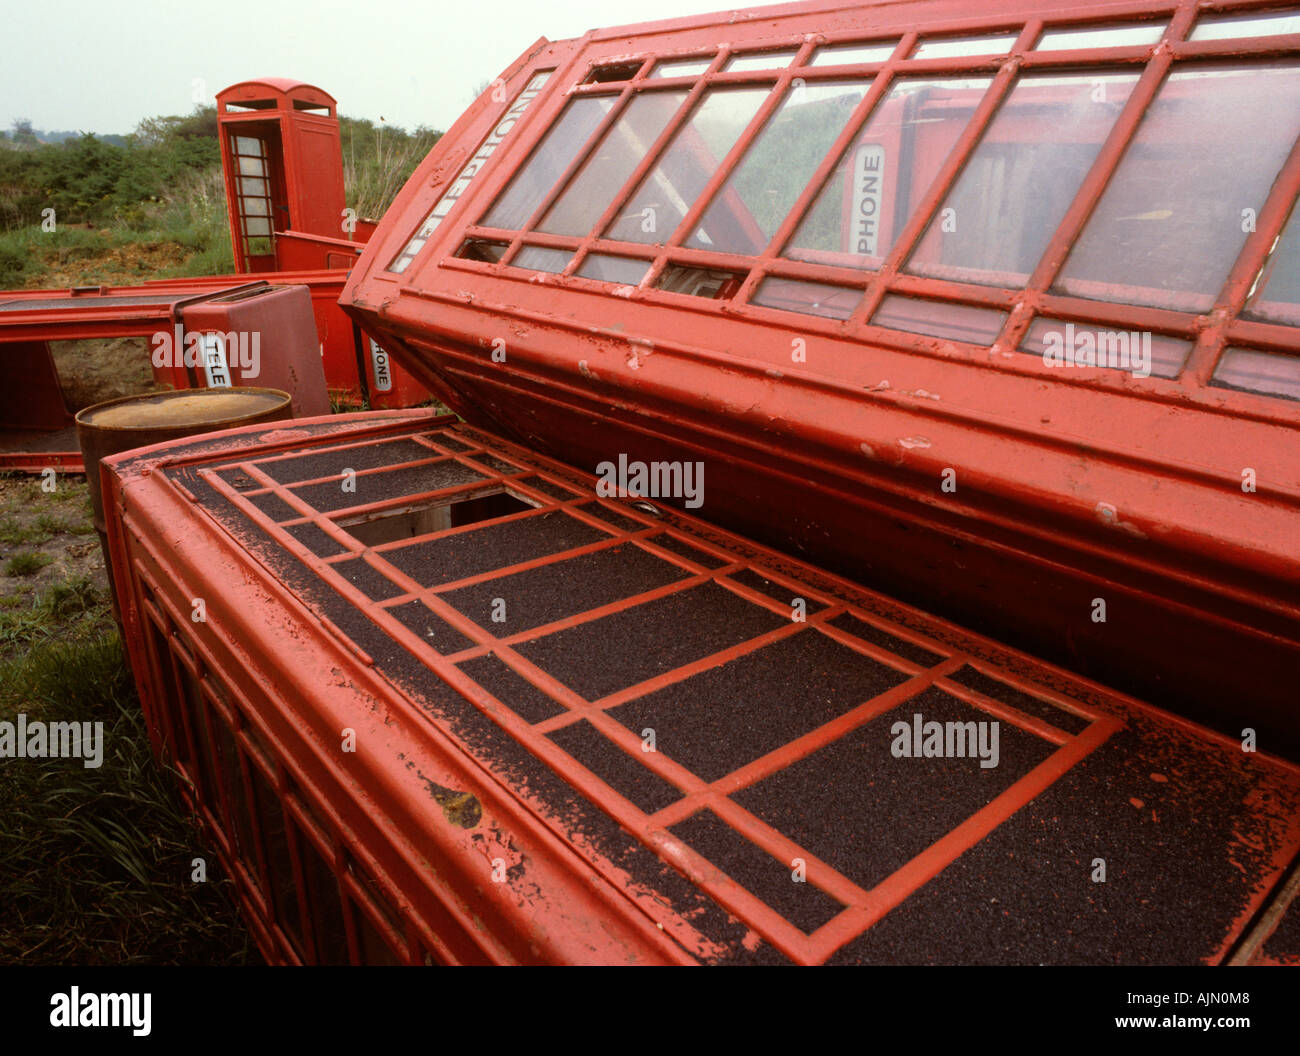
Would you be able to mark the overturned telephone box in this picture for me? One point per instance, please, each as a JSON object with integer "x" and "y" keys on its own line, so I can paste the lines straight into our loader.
{"x": 875, "y": 500}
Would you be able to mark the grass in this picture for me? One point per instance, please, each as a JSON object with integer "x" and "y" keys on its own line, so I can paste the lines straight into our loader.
{"x": 183, "y": 234}
{"x": 184, "y": 231}
{"x": 99, "y": 860}
{"x": 95, "y": 864}
{"x": 387, "y": 163}
{"x": 342, "y": 403}
{"x": 46, "y": 526}
{"x": 26, "y": 564}
{"x": 55, "y": 613}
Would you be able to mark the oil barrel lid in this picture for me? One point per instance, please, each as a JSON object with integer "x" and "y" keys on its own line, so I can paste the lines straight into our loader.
{"x": 182, "y": 409}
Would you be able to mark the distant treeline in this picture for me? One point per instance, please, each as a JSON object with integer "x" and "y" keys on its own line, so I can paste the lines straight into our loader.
{"x": 22, "y": 134}
{"x": 90, "y": 180}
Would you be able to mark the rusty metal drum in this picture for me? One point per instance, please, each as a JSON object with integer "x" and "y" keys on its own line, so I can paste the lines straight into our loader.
{"x": 138, "y": 421}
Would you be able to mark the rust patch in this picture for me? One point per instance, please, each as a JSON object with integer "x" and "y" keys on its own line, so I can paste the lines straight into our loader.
{"x": 460, "y": 808}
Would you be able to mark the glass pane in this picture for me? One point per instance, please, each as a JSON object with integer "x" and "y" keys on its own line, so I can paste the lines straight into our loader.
{"x": 204, "y": 754}
{"x": 1211, "y": 28}
{"x": 374, "y": 947}
{"x": 766, "y": 60}
{"x": 1277, "y": 296}
{"x": 623, "y": 270}
{"x": 477, "y": 249}
{"x": 541, "y": 258}
{"x": 681, "y": 68}
{"x": 848, "y": 54}
{"x": 1173, "y": 219}
{"x": 958, "y": 322}
{"x": 251, "y": 167}
{"x": 950, "y": 47}
{"x": 1273, "y": 375}
{"x": 255, "y": 206}
{"x": 251, "y": 185}
{"x": 670, "y": 189}
{"x": 275, "y": 843}
{"x": 603, "y": 174}
{"x": 547, "y": 163}
{"x": 699, "y": 282}
{"x": 760, "y": 192}
{"x": 1141, "y": 353}
{"x": 236, "y": 814}
{"x": 247, "y": 145}
{"x": 1010, "y": 198}
{"x": 257, "y": 228}
{"x": 808, "y": 298}
{"x": 885, "y": 171}
{"x": 325, "y": 906}
{"x": 1101, "y": 36}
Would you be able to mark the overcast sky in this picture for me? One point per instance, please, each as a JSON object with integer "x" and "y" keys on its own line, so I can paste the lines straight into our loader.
{"x": 97, "y": 66}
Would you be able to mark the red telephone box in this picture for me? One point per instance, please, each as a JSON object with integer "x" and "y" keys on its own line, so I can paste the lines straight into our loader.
{"x": 283, "y": 164}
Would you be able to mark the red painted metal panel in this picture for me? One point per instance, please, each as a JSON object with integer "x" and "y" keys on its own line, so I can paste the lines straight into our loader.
{"x": 296, "y": 251}
{"x": 266, "y": 339}
{"x": 32, "y": 398}
{"x": 337, "y": 333}
{"x": 352, "y": 715}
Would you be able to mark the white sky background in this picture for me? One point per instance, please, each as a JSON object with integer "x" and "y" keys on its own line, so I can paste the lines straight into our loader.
{"x": 96, "y": 66}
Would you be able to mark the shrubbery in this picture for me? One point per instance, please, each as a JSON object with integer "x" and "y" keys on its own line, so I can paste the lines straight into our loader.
{"x": 161, "y": 184}
{"x": 88, "y": 181}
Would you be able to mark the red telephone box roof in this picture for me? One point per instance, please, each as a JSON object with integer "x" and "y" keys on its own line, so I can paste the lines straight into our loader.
{"x": 283, "y": 87}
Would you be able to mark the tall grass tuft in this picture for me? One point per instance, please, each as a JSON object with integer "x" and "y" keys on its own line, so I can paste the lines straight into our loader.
{"x": 378, "y": 161}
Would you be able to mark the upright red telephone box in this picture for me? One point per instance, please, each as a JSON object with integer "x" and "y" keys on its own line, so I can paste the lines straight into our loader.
{"x": 283, "y": 164}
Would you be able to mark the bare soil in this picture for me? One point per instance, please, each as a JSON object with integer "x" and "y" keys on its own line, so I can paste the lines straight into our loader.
{"x": 124, "y": 265}
{"x": 102, "y": 369}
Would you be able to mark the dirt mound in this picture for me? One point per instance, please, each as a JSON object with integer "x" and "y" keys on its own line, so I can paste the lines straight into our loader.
{"x": 124, "y": 265}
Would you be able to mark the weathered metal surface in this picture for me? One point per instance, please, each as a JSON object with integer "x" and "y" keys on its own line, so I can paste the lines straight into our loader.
{"x": 139, "y": 421}
{"x": 267, "y": 339}
{"x": 393, "y": 773}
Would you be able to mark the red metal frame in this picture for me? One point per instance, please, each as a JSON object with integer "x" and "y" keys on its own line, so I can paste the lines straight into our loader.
{"x": 1036, "y": 297}
{"x": 1056, "y": 502}
{"x": 156, "y": 306}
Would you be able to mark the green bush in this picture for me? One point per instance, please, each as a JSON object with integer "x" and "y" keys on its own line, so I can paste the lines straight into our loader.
{"x": 12, "y": 266}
